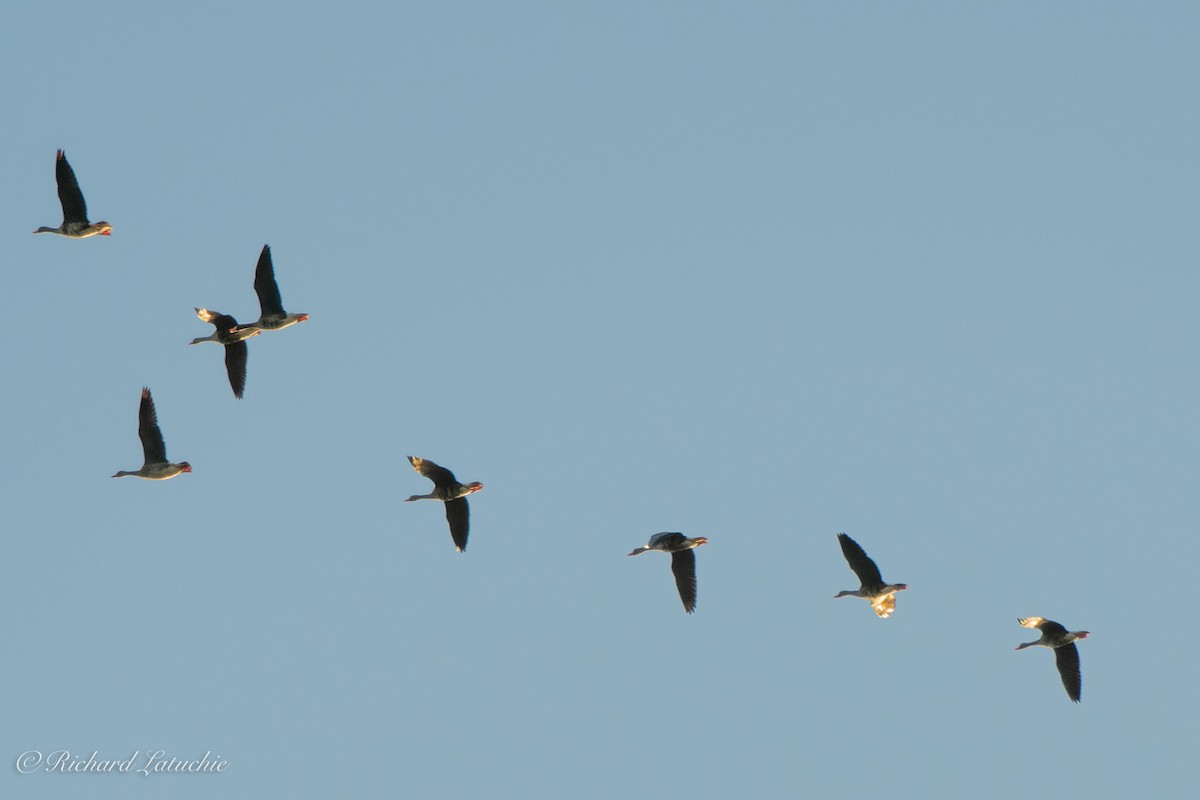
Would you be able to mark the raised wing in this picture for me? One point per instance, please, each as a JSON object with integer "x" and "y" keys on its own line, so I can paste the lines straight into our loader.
{"x": 861, "y": 563}
{"x": 73, "y": 206}
{"x": 153, "y": 446}
{"x": 265, "y": 287}
{"x": 222, "y": 322}
{"x": 668, "y": 541}
{"x": 441, "y": 477}
{"x": 1049, "y": 628}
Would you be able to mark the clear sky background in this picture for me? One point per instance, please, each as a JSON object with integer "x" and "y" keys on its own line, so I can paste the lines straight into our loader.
{"x": 923, "y": 273}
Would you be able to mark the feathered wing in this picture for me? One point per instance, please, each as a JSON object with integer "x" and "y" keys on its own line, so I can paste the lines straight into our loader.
{"x": 458, "y": 514}
{"x": 265, "y": 286}
{"x": 73, "y": 206}
{"x": 683, "y": 565}
{"x": 441, "y": 477}
{"x": 1067, "y": 657}
{"x": 224, "y": 323}
{"x": 884, "y": 605}
{"x": 861, "y": 563}
{"x": 236, "y": 355}
{"x": 153, "y": 446}
{"x": 669, "y": 540}
{"x": 1052, "y": 629}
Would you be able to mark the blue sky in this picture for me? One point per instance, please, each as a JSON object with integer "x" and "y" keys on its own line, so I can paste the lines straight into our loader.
{"x": 924, "y": 274}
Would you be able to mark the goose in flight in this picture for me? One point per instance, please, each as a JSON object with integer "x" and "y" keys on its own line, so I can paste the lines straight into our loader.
{"x": 683, "y": 562}
{"x": 273, "y": 317}
{"x": 75, "y": 223}
{"x": 1062, "y": 642}
{"x": 234, "y": 337}
{"x": 881, "y": 595}
{"x": 452, "y": 493}
{"x": 155, "y": 466}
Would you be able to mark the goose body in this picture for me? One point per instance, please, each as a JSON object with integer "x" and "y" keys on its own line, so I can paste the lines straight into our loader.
{"x": 272, "y": 316}
{"x": 452, "y": 493}
{"x": 1066, "y": 655}
{"x": 155, "y": 466}
{"x": 75, "y": 223}
{"x": 882, "y": 596}
{"x": 683, "y": 562}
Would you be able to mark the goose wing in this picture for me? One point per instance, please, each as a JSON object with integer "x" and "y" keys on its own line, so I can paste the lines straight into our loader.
{"x": 458, "y": 514}
{"x": 224, "y": 323}
{"x": 885, "y": 605}
{"x": 668, "y": 541}
{"x": 265, "y": 286}
{"x": 1067, "y": 657}
{"x": 441, "y": 477}
{"x": 1052, "y": 629}
{"x": 860, "y": 562}
{"x": 236, "y": 355}
{"x": 153, "y": 446}
{"x": 683, "y": 565}
{"x": 73, "y": 206}
{"x": 1049, "y": 628}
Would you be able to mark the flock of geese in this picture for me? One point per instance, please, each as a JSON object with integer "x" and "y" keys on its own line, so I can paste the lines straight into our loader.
{"x": 446, "y": 488}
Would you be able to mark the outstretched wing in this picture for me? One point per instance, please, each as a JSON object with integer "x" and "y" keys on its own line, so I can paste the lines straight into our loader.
{"x": 1067, "y": 657}
{"x": 860, "y": 562}
{"x": 683, "y": 564}
{"x": 224, "y": 323}
{"x": 236, "y": 355}
{"x": 441, "y": 477}
{"x": 458, "y": 514}
{"x": 1048, "y": 627}
{"x": 884, "y": 605}
{"x": 153, "y": 446}
{"x": 73, "y": 206}
{"x": 265, "y": 287}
